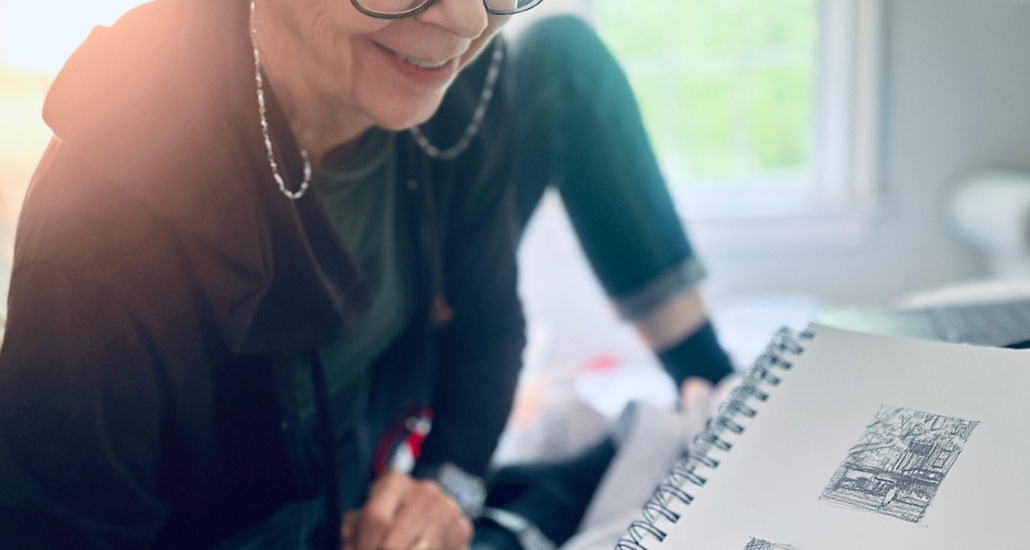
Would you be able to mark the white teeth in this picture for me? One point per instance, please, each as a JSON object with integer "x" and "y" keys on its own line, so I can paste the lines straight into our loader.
{"x": 421, "y": 62}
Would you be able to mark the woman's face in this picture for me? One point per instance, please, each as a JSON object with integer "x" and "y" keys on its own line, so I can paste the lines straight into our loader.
{"x": 393, "y": 71}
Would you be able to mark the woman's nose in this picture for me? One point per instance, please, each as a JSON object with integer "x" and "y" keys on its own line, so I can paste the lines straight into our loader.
{"x": 465, "y": 18}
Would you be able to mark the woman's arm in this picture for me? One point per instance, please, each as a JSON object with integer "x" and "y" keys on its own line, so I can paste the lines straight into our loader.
{"x": 482, "y": 332}
{"x": 480, "y": 348}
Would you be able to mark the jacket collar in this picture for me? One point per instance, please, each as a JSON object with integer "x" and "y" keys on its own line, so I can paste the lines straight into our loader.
{"x": 163, "y": 105}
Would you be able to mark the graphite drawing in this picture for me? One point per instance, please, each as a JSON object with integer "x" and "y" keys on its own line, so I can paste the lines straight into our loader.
{"x": 759, "y": 544}
{"x": 899, "y": 462}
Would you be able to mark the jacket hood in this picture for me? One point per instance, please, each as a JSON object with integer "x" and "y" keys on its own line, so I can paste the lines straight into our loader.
{"x": 163, "y": 105}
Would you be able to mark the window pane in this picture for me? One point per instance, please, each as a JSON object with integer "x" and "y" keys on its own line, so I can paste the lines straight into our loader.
{"x": 725, "y": 86}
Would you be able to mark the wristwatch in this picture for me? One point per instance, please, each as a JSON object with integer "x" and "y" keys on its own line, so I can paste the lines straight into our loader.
{"x": 469, "y": 490}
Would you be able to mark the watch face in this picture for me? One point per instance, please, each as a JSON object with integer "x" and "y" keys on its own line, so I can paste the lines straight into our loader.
{"x": 467, "y": 489}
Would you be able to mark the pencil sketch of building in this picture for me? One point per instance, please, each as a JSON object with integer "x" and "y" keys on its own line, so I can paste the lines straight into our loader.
{"x": 759, "y": 544}
{"x": 899, "y": 462}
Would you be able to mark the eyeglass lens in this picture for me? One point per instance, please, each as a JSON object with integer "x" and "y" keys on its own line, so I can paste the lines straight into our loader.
{"x": 407, "y": 6}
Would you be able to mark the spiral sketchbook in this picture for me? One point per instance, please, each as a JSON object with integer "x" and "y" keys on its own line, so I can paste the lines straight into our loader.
{"x": 837, "y": 440}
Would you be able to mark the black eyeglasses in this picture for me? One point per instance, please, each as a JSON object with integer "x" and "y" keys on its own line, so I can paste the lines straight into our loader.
{"x": 399, "y": 9}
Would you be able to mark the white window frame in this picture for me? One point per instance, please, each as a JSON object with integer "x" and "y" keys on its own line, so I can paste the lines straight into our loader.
{"x": 850, "y": 91}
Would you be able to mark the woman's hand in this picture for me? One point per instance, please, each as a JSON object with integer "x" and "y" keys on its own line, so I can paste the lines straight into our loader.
{"x": 403, "y": 513}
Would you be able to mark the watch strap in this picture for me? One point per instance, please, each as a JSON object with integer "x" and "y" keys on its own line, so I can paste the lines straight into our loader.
{"x": 528, "y": 535}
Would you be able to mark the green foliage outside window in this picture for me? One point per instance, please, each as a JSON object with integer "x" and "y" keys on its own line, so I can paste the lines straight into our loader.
{"x": 726, "y": 86}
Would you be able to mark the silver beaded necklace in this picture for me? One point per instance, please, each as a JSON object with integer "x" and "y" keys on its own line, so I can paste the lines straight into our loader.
{"x": 292, "y": 195}
{"x": 475, "y": 124}
{"x": 477, "y": 116}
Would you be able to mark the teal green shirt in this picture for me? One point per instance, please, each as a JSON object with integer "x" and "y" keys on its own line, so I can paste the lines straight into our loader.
{"x": 361, "y": 194}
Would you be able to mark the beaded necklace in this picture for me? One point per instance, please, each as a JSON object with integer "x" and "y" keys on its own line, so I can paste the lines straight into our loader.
{"x": 475, "y": 124}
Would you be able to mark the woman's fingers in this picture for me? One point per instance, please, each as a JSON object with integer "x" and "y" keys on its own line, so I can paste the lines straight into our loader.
{"x": 378, "y": 516}
{"x": 407, "y": 514}
{"x": 429, "y": 519}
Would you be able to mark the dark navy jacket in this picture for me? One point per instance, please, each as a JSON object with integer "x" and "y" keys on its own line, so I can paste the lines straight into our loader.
{"x": 162, "y": 282}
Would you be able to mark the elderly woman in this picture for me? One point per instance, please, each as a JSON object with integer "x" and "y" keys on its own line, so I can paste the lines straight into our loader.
{"x": 233, "y": 276}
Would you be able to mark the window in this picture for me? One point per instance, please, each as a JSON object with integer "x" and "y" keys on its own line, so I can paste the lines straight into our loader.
{"x": 726, "y": 86}
{"x": 754, "y": 107}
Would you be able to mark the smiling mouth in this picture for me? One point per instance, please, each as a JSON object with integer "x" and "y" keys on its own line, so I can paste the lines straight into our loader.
{"x": 420, "y": 63}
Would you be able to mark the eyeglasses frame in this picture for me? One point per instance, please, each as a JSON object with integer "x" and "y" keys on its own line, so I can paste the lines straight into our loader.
{"x": 428, "y": 4}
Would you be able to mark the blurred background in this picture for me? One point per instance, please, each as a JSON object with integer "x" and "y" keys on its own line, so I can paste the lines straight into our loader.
{"x": 824, "y": 154}
{"x": 818, "y": 151}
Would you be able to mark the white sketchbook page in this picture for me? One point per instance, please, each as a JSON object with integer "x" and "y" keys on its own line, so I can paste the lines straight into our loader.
{"x": 769, "y": 484}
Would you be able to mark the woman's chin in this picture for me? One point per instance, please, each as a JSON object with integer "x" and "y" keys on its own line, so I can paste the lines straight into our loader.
{"x": 405, "y": 119}
{"x": 399, "y": 126}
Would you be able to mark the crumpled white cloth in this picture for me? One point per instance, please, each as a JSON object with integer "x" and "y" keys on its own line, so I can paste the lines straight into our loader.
{"x": 650, "y": 441}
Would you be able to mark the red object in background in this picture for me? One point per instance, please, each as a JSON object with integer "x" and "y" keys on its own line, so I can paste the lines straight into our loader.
{"x": 601, "y": 363}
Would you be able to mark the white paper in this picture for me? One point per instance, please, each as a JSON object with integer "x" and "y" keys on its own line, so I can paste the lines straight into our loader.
{"x": 768, "y": 487}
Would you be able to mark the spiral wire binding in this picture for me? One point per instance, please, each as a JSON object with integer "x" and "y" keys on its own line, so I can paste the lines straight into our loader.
{"x": 690, "y": 470}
